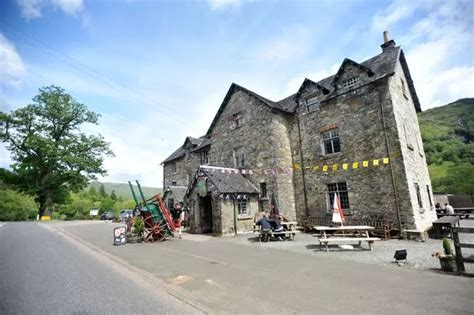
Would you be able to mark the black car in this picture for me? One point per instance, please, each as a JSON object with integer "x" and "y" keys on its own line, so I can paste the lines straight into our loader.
{"x": 108, "y": 215}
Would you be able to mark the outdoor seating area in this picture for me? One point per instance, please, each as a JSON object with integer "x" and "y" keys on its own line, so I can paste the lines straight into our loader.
{"x": 288, "y": 233}
{"x": 345, "y": 235}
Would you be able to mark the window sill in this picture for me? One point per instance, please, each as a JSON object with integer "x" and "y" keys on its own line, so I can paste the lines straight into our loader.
{"x": 244, "y": 217}
{"x": 264, "y": 199}
{"x": 329, "y": 156}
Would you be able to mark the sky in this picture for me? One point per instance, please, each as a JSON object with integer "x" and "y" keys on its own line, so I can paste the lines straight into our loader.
{"x": 157, "y": 71}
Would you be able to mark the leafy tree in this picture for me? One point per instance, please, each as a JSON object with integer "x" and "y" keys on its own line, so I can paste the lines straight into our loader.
{"x": 460, "y": 179}
{"x": 113, "y": 196}
{"x": 92, "y": 191}
{"x": 51, "y": 155}
{"x": 102, "y": 191}
{"x": 15, "y": 206}
{"x": 106, "y": 204}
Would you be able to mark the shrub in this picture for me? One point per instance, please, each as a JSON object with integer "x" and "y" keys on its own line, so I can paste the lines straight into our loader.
{"x": 447, "y": 247}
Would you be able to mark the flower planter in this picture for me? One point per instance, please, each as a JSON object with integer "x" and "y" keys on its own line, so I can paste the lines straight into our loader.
{"x": 134, "y": 239}
{"x": 448, "y": 263}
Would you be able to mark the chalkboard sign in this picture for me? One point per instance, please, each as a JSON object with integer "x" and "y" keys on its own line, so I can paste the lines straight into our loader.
{"x": 120, "y": 235}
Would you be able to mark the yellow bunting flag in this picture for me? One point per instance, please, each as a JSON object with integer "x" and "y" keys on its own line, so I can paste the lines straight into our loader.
{"x": 385, "y": 160}
{"x": 344, "y": 166}
{"x": 325, "y": 168}
{"x": 365, "y": 163}
{"x": 297, "y": 166}
{"x": 355, "y": 165}
{"x": 334, "y": 167}
{"x": 316, "y": 168}
{"x": 376, "y": 162}
{"x": 307, "y": 167}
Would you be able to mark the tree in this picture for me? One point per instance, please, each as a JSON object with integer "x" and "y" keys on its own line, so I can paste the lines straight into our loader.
{"x": 113, "y": 196}
{"x": 102, "y": 191}
{"x": 51, "y": 155}
{"x": 15, "y": 206}
{"x": 459, "y": 181}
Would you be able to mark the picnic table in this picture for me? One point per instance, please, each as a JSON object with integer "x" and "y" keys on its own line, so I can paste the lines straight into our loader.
{"x": 345, "y": 234}
{"x": 442, "y": 227}
{"x": 289, "y": 230}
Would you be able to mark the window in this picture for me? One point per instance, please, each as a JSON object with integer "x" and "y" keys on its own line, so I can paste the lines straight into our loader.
{"x": 407, "y": 137}
{"x": 173, "y": 167}
{"x": 174, "y": 183}
{"x": 204, "y": 157}
{"x": 331, "y": 141}
{"x": 171, "y": 204}
{"x": 404, "y": 90}
{"x": 350, "y": 83}
{"x": 239, "y": 158}
{"x": 429, "y": 195}
{"x": 311, "y": 104}
{"x": 242, "y": 207}
{"x": 342, "y": 193}
{"x": 237, "y": 120}
{"x": 263, "y": 190}
{"x": 418, "y": 195}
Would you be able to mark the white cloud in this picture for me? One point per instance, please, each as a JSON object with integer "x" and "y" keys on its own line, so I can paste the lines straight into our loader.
{"x": 434, "y": 46}
{"x": 71, "y": 7}
{"x": 291, "y": 44}
{"x": 11, "y": 65}
{"x": 31, "y": 9}
{"x": 223, "y": 4}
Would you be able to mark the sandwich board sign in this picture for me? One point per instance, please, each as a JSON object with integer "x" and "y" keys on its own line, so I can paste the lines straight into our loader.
{"x": 120, "y": 235}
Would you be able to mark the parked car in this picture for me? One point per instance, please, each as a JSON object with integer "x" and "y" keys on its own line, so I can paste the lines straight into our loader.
{"x": 126, "y": 213}
{"x": 108, "y": 215}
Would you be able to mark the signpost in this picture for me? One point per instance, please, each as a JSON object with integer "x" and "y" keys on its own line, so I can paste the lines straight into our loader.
{"x": 120, "y": 235}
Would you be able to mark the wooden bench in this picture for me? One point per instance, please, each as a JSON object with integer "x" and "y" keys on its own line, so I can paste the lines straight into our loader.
{"x": 264, "y": 236}
{"x": 326, "y": 241}
{"x": 345, "y": 234}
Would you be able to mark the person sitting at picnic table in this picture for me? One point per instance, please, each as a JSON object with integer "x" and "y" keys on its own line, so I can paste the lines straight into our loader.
{"x": 448, "y": 208}
{"x": 264, "y": 223}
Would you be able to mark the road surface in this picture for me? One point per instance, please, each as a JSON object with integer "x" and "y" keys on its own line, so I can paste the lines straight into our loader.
{"x": 41, "y": 272}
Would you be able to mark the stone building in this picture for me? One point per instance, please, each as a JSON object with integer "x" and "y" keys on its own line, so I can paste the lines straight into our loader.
{"x": 354, "y": 134}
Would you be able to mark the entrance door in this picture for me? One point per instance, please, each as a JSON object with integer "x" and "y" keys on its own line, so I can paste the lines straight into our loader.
{"x": 206, "y": 214}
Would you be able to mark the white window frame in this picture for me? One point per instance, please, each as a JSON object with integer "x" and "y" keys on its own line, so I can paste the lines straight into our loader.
{"x": 342, "y": 193}
{"x": 333, "y": 136}
{"x": 238, "y": 120}
{"x": 243, "y": 208}
{"x": 239, "y": 157}
{"x": 351, "y": 82}
{"x": 311, "y": 104}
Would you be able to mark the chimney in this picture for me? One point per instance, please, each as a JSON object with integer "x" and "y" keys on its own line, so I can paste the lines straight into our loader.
{"x": 387, "y": 42}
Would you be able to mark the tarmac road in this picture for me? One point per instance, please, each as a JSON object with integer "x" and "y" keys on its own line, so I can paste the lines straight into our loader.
{"x": 41, "y": 272}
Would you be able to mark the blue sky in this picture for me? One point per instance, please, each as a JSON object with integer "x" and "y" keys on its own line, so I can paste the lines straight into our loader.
{"x": 157, "y": 71}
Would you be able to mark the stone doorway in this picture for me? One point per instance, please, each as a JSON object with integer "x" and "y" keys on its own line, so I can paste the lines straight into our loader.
{"x": 205, "y": 207}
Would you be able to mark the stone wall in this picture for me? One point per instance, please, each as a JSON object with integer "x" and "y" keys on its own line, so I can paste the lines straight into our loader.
{"x": 180, "y": 176}
{"x": 412, "y": 155}
{"x": 264, "y": 137}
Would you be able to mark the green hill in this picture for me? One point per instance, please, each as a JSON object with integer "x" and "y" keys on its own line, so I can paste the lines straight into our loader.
{"x": 123, "y": 190}
{"x": 448, "y": 135}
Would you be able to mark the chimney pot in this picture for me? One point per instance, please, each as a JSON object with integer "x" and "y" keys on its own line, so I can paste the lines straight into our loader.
{"x": 385, "y": 37}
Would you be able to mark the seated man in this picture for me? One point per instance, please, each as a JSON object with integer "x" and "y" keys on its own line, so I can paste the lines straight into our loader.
{"x": 264, "y": 223}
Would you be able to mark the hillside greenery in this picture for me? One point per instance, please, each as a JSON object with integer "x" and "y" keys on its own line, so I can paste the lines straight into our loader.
{"x": 448, "y": 135}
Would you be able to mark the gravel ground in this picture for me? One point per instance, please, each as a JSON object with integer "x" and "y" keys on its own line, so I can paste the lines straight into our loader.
{"x": 419, "y": 253}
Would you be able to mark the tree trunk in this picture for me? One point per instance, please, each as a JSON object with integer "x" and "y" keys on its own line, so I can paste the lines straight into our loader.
{"x": 45, "y": 204}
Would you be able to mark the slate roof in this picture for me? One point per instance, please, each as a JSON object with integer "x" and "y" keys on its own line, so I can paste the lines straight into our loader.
{"x": 228, "y": 182}
{"x": 204, "y": 143}
{"x": 200, "y": 143}
{"x": 178, "y": 192}
{"x": 179, "y": 153}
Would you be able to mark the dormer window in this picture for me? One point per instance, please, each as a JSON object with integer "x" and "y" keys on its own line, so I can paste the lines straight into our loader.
{"x": 350, "y": 83}
{"x": 311, "y": 104}
{"x": 237, "y": 120}
{"x": 204, "y": 157}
